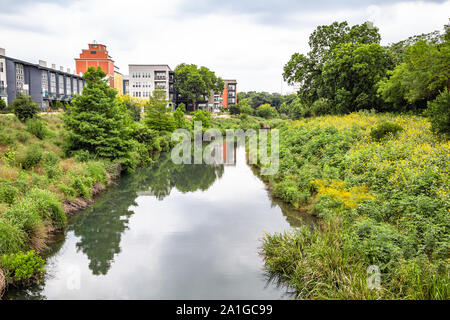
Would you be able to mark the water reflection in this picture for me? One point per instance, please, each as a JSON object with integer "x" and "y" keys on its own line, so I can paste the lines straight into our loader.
{"x": 101, "y": 227}
{"x": 171, "y": 232}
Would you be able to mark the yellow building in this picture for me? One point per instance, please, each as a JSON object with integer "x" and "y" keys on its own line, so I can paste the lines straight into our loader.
{"x": 118, "y": 83}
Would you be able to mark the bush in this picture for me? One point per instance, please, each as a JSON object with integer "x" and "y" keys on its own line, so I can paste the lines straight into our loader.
{"x": 22, "y": 136}
{"x": 439, "y": 113}
{"x": 83, "y": 156}
{"x": 234, "y": 109}
{"x": 48, "y": 207}
{"x": 3, "y": 105}
{"x": 37, "y": 127}
{"x": 8, "y": 193}
{"x": 12, "y": 238}
{"x": 321, "y": 107}
{"x": 22, "y": 266}
{"x": 204, "y": 117}
{"x": 178, "y": 115}
{"x": 383, "y": 129}
{"x": 33, "y": 156}
{"x": 266, "y": 111}
{"x": 24, "y": 108}
{"x": 51, "y": 158}
{"x": 247, "y": 109}
{"x": 243, "y": 116}
{"x": 25, "y": 216}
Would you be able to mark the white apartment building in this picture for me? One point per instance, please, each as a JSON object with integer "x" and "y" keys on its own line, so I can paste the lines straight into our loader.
{"x": 144, "y": 78}
{"x": 3, "y": 89}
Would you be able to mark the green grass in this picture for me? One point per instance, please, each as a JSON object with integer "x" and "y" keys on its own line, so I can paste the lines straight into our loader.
{"x": 383, "y": 200}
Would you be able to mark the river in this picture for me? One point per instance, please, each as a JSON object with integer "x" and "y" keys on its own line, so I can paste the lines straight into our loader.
{"x": 170, "y": 232}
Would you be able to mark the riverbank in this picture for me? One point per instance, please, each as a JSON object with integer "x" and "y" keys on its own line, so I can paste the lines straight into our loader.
{"x": 380, "y": 185}
{"x": 39, "y": 189}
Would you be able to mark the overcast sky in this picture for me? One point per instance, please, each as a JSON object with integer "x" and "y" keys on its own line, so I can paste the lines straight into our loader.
{"x": 246, "y": 40}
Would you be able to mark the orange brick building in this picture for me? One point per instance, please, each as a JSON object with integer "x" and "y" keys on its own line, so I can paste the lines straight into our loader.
{"x": 96, "y": 55}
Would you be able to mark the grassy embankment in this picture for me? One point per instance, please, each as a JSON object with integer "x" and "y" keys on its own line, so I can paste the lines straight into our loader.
{"x": 39, "y": 187}
{"x": 384, "y": 200}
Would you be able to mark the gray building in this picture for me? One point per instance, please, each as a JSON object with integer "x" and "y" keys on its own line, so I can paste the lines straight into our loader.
{"x": 144, "y": 78}
{"x": 43, "y": 84}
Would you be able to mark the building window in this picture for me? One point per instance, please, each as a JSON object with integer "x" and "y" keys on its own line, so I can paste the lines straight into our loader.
{"x": 1, "y": 66}
{"x": 52, "y": 83}
{"x": 93, "y": 52}
{"x": 68, "y": 86}
{"x": 44, "y": 80}
{"x": 60, "y": 84}
{"x": 19, "y": 77}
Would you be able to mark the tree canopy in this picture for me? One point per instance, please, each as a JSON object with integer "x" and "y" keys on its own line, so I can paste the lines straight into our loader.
{"x": 97, "y": 122}
{"x": 195, "y": 84}
{"x": 307, "y": 69}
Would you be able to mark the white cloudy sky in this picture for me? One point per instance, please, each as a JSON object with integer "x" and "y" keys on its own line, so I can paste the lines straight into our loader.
{"x": 248, "y": 40}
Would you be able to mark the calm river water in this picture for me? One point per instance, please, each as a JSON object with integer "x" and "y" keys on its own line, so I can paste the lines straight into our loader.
{"x": 170, "y": 232}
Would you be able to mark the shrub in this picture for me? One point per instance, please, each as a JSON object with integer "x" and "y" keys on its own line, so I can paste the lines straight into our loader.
{"x": 178, "y": 115}
{"x": 12, "y": 238}
{"x": 234, "y": 109}
{"x": 204, "y": 117}
{"x": 48, "y": 207}
{"x": 79, "y": 185}
{"x": 33, "y": 156}
{"x": 439, "y": 113}
{"x": 83, "y": 156}
{"x": 22, "y": 266}
{"x": 247, "y": 109}
{"x": 243, "y": 116}
{"x": 37, "y": 127}
{"x": 321, "y": 107}
{"x": 8, "y": 193}
{"x": 97, "y": 172}
{"x": 383, "y": 129}
{"x": 24, "y": 108}
{"x": 25, "y": 216}
{"x": 22, "y": 136}
{"x": 51, "y": 158}
{"x": 266, "y": 111}
{"x": 3, "y": 105}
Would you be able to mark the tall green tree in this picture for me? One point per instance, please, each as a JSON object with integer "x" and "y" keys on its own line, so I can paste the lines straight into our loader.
{"x": 424, "y": 72}
{"x": 306, "y": 69}
{"x": 157, "y": 116}
{"x": 195, "y": 84}
{"x": 351, "y": 74}
{"x": 97, "y": 121}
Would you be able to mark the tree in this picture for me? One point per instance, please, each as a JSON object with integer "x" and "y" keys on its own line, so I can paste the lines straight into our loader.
{"x": 3, "y": 104}
{"x": 133, "y": 105}
{"x": 195, "y": 84}
{"x": 424, "y": 72}
{"x": 307, "y": 69}
{"x": 351, "y": 74}
{"x": 157, "y": 116}
{"x": 24, "y": 107}
{"x": 234, "y": 109}
{"x": 244, "y": 107}
{"x": 204, "y": 117}
{"x": 97, "y": 121}
{"x": 439, "y": 113}
{"x": 266, "y": 111}
{"x": 178, "y": 115}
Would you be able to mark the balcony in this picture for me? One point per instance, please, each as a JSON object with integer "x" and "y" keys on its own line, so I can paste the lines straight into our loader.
{"x": 160, "y": 77}
{"x": 3, "y": 92}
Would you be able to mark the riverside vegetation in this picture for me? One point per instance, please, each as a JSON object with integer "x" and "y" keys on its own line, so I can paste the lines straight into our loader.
{"x": 363, "y": 145}
{"x": 52, "y": 165}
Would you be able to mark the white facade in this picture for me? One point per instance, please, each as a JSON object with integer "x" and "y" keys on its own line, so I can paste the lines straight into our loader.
{"x": 143, "y": 79}
{"x": 3, "y": 83}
